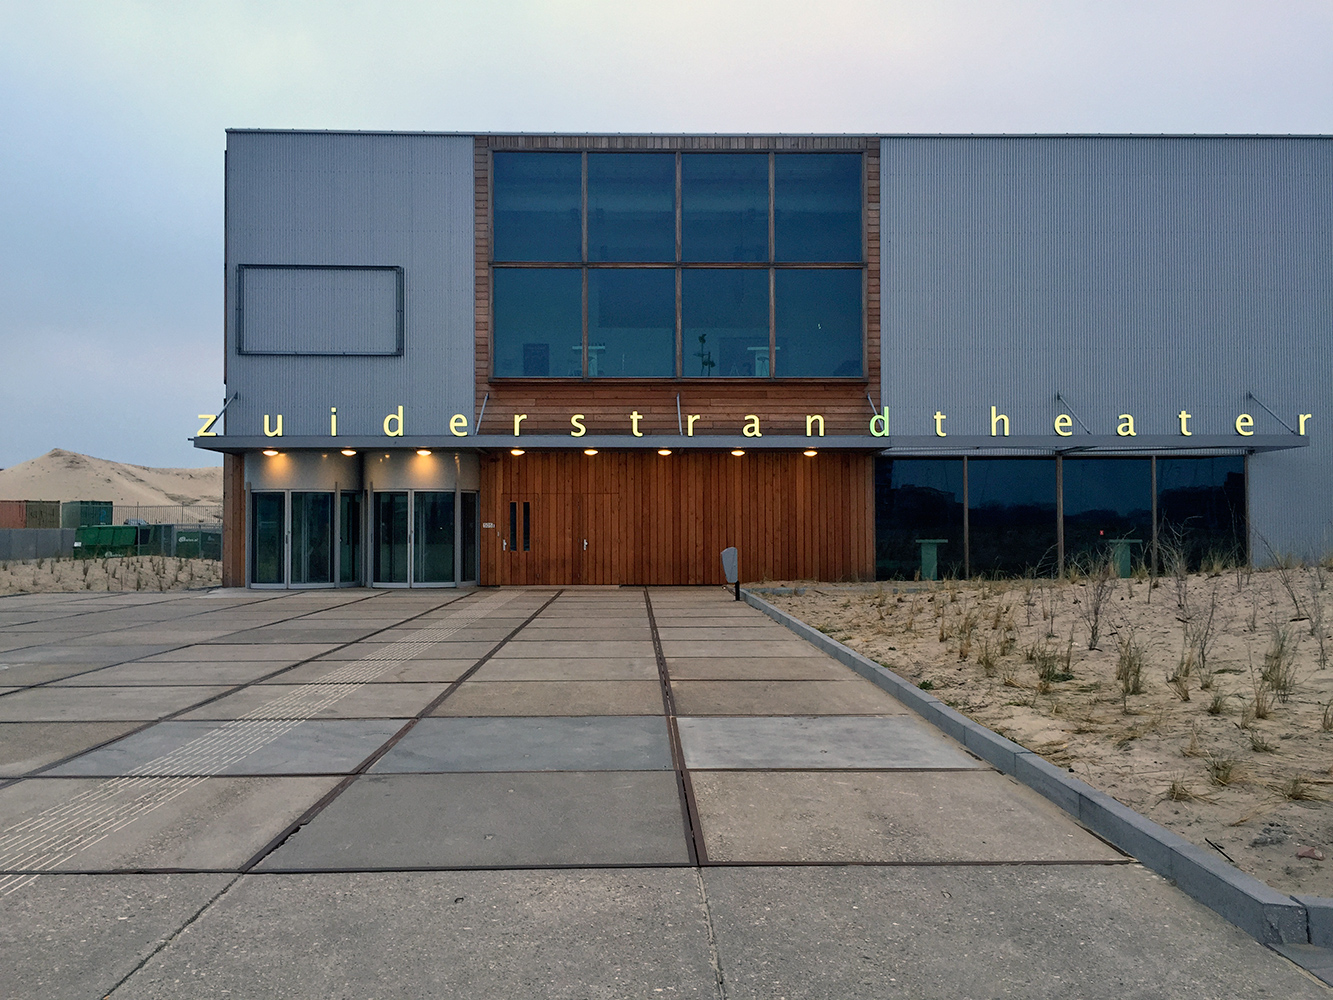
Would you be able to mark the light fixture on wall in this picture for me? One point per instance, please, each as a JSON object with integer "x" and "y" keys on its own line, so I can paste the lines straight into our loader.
{"x": 349, "y": 452}
{"x": 423, "y": 452}
{"x": 809, "y": 453}
{"x": 271, "y": 452}
{"x": 516, "y": 451}
{"x": 738, "y": 452}
{"x": 664, "y": 451}
{"x": 590, "y": 451}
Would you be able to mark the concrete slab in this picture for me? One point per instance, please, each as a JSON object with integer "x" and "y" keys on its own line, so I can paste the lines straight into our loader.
{"x": 841, "y": 697}
{"x": 815, "y": 743}
{"x": 319, "y": 636}
{"x": 538, "y": 743}
{"x": 199, "y": 672}
{"x": 102, "y": 704}
{"x": 590, "y": 648}
{"x": 215, "y": 651}
{"x": 410, "y": 671}
{"x": 932, "y": 933}
{"x": 25, "y": 746}
{"x": 815, "y": 667}
{"x": 562, "y": 935}
{"x": 77, "y": 936}
{"x": 741, "y": 632}
{"x": 493, "y": 820}
{"x": 320, "y": 746}
{"x": 211, "y": 824}
{"x": 577, "y": 631}
{"x": 366, "y": 701}
{"x": 436, "y": 650}
{"x": 737, "y": 647}
{"x": 551, "y": 698}
{"x": 786, "y": 817}
{"x": 619, "y": 668}
{"x": 98, "y": 655}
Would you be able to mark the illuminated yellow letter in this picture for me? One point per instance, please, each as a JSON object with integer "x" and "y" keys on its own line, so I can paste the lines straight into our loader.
{"x": 579, "y": 430}
{"x": 634, "y": 418}
{"x": 810, "y": 421}
{"x": 518, "y": 419}
{"x": 396, "y": 419}
{"x": 210, "y": 419}
{"x": 751, "y": 428}
{"x": 1064, "y": 424}
{"x": 275, "y": 432}
{"x": 939, "y": 424}
{"x": 458, "y": 425}
{"x": 1245, "y": 425}
{"x": 1126, "y": 427}
{"x": 333, "y": 421}
{"x": 1304, "y": 418}
{"x": 1184, "y": 423}
{"x": 995, "y": 419}
{"x": 879, "y": 425}
{"x": 689, "y": 423}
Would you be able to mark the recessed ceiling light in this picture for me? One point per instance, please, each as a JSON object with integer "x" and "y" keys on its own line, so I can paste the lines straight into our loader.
{"x": 423, "y": 451}
{"x": 809, "y": 453}
{"x": 270, "y": 452}
{"x": 738, "y": 452}
{"x": 516, "y": 451}
{"x": 349, "y": 452}
{"x": 664, "y": 451}
{"x": 590, "y": 451}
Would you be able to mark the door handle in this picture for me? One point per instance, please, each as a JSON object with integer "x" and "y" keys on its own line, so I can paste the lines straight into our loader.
{"x": 585, "y": 545}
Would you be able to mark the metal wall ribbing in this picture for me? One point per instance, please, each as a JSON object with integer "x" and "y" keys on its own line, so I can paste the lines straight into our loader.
{"x": 356, "y": 199}
{"x": 1140, "y": 275}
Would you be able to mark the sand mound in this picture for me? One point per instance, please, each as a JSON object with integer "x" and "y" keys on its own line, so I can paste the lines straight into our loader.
{"x": 67, "y": 475}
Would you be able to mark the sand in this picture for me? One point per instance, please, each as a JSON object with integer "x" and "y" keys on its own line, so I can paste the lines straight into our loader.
{"x": 67, "y": 475}
{"x": 1205, "y": 767}
{"x": 142, "y": 573}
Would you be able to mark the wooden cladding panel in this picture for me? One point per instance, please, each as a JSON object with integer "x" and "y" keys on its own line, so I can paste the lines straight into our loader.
{"x": 650, "y": 519}
{"x": 233, "y": 520}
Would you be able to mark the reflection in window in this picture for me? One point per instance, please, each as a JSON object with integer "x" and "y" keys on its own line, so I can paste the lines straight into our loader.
{"x": 818, "y": 316}
{"x": 312, "y": 538}
{"x": 267, "y": 513}
{"x": 538, "y": 205}
{"x": 1106, "y": 499}
{"x": 1011, "y": 511}
{"x": 390, "y": 518}
{"x": 724, "y": 207}
{"x": 433, "y": 537}
{"x": 538, "y": 322}
{"x": 916, "y": 500}
{"x": 1201, "y": 504}
{"x": 724, "y": 323}
{"x": 632, "y": 322}
{"x": 817, "y": 207}
{"x": 632, "y": 206}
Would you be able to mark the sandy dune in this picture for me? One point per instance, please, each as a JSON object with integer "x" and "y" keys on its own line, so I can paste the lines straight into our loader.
{"x": 67, "y": 475}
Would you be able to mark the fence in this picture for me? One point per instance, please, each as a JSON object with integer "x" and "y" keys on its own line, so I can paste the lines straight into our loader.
{"x": 167, "y": 514}
{"x": 36, "y": 543}
{"x": 186, "y": 541}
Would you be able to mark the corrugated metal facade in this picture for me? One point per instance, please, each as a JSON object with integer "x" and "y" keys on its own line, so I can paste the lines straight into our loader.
{"x": 1140, "y": 275}
{"x": 300, "y": 198}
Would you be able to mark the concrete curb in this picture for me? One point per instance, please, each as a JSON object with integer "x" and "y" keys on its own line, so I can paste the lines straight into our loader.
{"x": 1267, "y": 915}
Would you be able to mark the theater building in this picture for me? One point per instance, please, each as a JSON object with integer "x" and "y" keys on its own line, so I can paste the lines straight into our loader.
{"x": 579, "y": 359}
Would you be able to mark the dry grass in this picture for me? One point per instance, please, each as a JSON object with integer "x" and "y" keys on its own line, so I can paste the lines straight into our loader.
{"x": 131, "y": 573}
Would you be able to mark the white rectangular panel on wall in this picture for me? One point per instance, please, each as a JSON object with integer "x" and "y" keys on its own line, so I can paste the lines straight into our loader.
{"x": 319, "y": 310}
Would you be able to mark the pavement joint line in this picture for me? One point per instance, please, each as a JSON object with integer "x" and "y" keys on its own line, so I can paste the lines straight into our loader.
{"x": 694, "y": 834}
{"x": 54, "y": 835}
{"x": 714, "y": 955}
{"x": 374, "y": 758}
{"x": 1269, "y": 916}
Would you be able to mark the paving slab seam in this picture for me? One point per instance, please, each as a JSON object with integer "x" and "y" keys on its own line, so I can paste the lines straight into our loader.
{"x": 337, "y": 790}
{"x": 694, "y": 833}
{"x": 258, "y": 681}
{"x": 49, "y": 838}
{"x": 1269, "y": 916}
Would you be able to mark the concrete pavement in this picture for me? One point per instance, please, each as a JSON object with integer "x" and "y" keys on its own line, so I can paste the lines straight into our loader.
{"x": 579, "y": 793}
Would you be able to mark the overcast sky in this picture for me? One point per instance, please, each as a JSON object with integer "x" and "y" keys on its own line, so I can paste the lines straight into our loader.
{"x": 112, "y": 117}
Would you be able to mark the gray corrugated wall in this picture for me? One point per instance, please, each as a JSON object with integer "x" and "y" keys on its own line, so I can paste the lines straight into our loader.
{"x": 1137, "y": 275}
{"x": 364, "y": 199}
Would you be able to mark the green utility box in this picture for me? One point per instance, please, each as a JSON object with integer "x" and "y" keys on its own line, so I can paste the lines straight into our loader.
{"x": 96, "y": 541}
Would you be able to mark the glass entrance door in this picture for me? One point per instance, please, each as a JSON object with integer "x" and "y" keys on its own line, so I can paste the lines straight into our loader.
{"x": 312, "y": 539}
{"x": 467, "y": 535}
{"x": 268, "y": 531}
{"x": 349, "y": 539}
{"x": 390, "y": 512}
{"x": 433, "y": 542}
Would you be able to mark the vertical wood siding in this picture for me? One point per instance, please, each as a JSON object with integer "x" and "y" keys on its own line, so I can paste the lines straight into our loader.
{"x": 650, "y": 519}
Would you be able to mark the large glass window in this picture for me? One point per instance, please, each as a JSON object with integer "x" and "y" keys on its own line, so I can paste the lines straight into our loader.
{"x": 267, "y": 537}
{"x": 1011, "y": 510}
{"x": 468, "y": 529}
{"x": 1201, "y": 506}
{"x": 618, "y": 216}
{"x": 817, "y": 207}
{"x": 538, "y": 206}
{"x": 819, "y": 323}
{"x": 631, "y": 322}
{"x": 538, "y": 322}
{"x": 433, "y": 541}
{"x": 1107, "y": 500}
{"x": 312, "y": 538}
{"x": 632, "y": 207}
{"x": 918, "y": 518}
{"x": 724, "y": 323}
{"x": 349, "y": 537}
{"x": 724, "y": 207}
{"x": 390, "y": 512}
